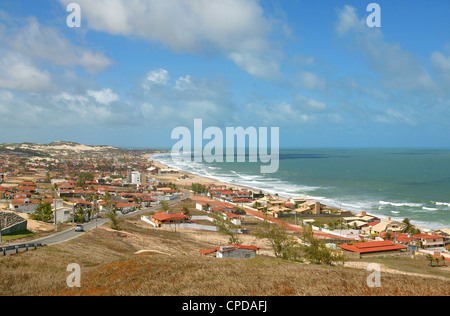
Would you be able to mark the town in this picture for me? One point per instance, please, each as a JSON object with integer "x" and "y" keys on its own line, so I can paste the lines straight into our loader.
{"x": 61, "y": 187}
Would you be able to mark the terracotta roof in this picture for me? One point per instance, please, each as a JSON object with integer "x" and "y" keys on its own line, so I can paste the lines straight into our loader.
{"x": 163, "y": 216}
{"x": 425, "y": 236}
{"x": 372, "y": 246}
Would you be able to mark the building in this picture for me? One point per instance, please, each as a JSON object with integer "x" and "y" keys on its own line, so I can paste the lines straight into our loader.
{"x": 372, "y": 247}
{"x": 429, "y": 241}
{"x": 24, "y": 206}
{"x": 167, "y": 218}
{"x": 387, "y": 225}
{"x": 232, "y": 251}
{"x": 135, "y": 177}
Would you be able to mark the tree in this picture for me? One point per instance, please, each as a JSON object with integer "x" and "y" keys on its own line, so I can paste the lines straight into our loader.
{"x": 165, "y": 206}
{"x": 83, "y": 177}
{"x": 443, "y": 260}
{"x": 430, "y": 259}
{"x": 227, "y": 227}
{"x": 43, "y": 212}
{"x": 114, "y": 218}
{"x": 316, "y": 251}
{"x": 283, "y": 245}
{"x": 186, "y": 210}
{"x": 198, "y": 188}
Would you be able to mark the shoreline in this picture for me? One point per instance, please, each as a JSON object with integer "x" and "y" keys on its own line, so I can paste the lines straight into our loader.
{"x": 196, "y": 178}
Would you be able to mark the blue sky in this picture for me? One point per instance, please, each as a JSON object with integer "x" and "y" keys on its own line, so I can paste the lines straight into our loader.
{"x": 137, "y": 69}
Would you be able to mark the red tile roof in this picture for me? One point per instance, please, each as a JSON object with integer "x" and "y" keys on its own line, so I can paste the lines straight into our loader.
{"x": 163, "y": 216}
{"x": 425, "y": 236}
{"x": 372, "y": 246}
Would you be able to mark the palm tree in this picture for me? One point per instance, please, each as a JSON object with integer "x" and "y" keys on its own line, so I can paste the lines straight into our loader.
{"x": 408, "y": 225}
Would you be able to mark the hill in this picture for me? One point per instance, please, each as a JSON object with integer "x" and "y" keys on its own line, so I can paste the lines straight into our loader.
{"x": 45, "y": 150}
{"x": 160, "y": 262}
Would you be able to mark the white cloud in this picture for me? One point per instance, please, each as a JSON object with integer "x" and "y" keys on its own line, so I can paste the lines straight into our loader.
{"x": 18, "y": 73}
{"x": 105, "y": 96}
{"x": 236, "y": 29}
{"x": 393, "y": 117}
{"x": 182, "y": 102}
{"x": 184, "y": 83}
{"x": 347, "y": 20}
{"x": 156, "y": 77}
{"x": 311, "y": 81}
{"x": 441, "y": 65}
{"x": 310, "y": 103}
{"x": 46, "y": 43}
{"x": 281, "y": 113}
{"x": 398, "y": 68}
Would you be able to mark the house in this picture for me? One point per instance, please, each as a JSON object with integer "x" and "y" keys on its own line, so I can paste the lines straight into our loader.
{"x": 232, "y": 251}
{"x": 387, "y": 225}
{"x": 310, "y": 207}
{"x": 125, "y": 208}
{"x": 401, "y": 238}
{"x": 24, "y": 206}
{"x": 373, "y": 247}
{"x": 63, "y": 214}
{"x": 167, "y": 218}
{"x": 429, "y": 241}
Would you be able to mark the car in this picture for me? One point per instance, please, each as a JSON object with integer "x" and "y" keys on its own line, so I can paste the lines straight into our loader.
{"x": 79, "y": 228}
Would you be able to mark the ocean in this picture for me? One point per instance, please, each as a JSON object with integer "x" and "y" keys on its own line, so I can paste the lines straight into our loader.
{"x": 400, "y": 183}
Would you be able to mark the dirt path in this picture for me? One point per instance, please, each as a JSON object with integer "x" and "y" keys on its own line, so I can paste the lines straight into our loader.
{"x": 384, "y": 269}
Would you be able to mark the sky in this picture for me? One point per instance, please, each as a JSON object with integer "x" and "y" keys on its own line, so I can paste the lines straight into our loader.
{"x": 137, "y": 69}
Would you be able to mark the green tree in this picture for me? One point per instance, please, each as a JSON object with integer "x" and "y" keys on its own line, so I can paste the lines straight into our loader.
{"x": 165, "y": 206}
{"x": 430, "y": 259}
{"x": 83, "y": 177}
{"x": 43, "y": 212}
{"x": 316, "y": 251}
{"x": 186, "y": 210}
{"x": 284, "y": 246}
{"x": 114, "y": 218}
{"x": 227, "y": 227}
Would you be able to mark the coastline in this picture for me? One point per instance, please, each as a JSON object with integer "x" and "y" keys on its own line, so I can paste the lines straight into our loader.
{"x": 196, "y": 178}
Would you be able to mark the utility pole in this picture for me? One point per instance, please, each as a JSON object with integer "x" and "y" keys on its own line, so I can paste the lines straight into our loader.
{"x": 96, "y": 212}
{"x": 56, "y": 223}
{"x": 1, "y": 240}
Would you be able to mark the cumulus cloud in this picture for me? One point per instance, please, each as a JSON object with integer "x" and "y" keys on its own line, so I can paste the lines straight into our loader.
{"x": 156, "y": 77}
{"x": 310, "y": 103}
{"x": 441, "y": 65}
{"x": 46, "y": 43}
{"x": 187, "y": 99}
{"x": 105, "y": 96}
{"x": 236, "y": 29}
{"x": 278, "y": 114}
{"x": 17, "y": 72}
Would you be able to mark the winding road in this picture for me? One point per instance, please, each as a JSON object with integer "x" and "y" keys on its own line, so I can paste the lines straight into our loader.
{"x": 70, "y": 233}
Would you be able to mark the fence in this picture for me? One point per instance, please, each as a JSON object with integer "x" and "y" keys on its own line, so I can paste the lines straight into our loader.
{"x": 16, "y": 248}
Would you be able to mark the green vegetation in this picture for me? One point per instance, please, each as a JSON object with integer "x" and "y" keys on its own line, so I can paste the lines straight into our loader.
{"x": 43, "y": 213}
{"x": 198, "y": 188}
{"x": 283, "y": 245}
{"x": 17, "y": 235}
{"x": 226, "y": 227}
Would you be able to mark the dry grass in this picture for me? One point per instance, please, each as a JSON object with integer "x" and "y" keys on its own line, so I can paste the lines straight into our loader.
{"x": 112, "y": 264}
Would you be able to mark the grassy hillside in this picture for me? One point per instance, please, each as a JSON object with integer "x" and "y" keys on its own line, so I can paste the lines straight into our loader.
{"x": 145, "y": 261}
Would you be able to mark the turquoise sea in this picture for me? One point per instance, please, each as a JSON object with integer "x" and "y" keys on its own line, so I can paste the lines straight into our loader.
{"x": 400, "y": 183}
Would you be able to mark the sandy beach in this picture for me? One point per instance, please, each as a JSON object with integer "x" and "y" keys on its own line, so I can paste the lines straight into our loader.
{"x": 190, "y": 178}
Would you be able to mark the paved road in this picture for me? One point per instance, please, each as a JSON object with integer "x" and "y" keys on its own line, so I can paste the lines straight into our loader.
{"x": 70, "y": 233}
